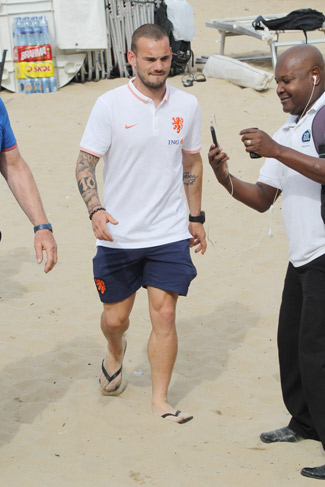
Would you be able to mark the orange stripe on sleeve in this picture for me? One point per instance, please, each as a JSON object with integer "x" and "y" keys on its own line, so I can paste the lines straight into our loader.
{"x": 192, "y": 151}
{"x": 90, "y": 152}
{"x": 10, "y": 148}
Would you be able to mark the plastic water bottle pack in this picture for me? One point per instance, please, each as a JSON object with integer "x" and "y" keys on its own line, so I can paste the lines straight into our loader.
{"x": 33, "y": 55}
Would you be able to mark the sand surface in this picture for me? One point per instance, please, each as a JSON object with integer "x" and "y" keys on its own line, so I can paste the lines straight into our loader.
{"x": 56, "y": 429}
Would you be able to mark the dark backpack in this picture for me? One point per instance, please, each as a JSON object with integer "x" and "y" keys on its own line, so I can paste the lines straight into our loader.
{"x": 304, "y": 19}
{"x": 181, "y": 50}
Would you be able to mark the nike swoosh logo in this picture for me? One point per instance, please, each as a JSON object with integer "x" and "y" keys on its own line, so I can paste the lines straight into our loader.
{"x": 130, "y": 126}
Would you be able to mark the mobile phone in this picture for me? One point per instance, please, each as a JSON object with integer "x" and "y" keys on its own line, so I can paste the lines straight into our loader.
{"x": 253, "y": 155}
{"x": 213, "y": 134}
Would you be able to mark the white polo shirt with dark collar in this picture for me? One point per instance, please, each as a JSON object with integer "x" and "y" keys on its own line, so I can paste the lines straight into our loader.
{"x": 301, "y": 199}
{"x": 142, "y": 148}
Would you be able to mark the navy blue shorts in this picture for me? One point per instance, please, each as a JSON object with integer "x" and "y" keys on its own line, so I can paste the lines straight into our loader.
{"x": 119, "y": 273}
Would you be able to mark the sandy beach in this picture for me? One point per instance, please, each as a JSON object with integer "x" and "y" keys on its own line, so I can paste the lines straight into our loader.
{"x": 56, "y": 429}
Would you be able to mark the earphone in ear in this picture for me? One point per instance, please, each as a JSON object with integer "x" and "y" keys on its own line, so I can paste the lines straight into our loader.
{"x": 312, "y": 92}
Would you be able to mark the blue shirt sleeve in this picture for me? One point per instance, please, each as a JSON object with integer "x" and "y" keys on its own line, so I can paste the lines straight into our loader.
{"x": 7, "y": 138}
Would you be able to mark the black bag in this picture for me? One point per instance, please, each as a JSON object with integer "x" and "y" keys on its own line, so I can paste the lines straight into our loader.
{"x": 304, "y": 19}
{"x": 181, "y": 50}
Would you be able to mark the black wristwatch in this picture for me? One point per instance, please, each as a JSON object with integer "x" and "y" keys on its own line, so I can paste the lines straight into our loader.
{"x": 198, "y": 219}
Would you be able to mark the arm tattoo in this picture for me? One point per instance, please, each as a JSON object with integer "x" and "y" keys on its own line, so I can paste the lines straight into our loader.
{"x": 86, "y": 178}
{"x": 189, "y": 179}
{"x": 86, "y": 183}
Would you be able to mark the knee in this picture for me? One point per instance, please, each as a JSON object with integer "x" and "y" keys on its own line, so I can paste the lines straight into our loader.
{"x": 112, "y": 322}
{"x": 166, "y": 315}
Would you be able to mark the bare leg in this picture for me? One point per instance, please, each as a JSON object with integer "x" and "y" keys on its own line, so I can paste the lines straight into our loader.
{"x": 114, "y": 323}
{"x": 162, "y": 349}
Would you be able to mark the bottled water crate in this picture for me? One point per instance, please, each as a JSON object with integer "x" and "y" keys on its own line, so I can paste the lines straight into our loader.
{"x": 38, "y": 31}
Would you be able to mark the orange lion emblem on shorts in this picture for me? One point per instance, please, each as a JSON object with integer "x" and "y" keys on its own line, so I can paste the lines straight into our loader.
{"x": 177, "y": 124}
{"x": 100, "y": 285}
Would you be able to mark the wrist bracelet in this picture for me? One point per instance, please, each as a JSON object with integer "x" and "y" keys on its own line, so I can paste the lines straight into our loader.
{"x": 94, "y": 211}
{"x": 44, "y": 226}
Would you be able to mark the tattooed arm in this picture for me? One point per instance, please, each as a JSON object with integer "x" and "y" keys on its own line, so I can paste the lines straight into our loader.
{"x": 87, "y": 184}
{"x": 192, "y": 179}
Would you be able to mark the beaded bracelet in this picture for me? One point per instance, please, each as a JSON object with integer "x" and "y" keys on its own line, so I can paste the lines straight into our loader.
{"x": 94, "y": 211}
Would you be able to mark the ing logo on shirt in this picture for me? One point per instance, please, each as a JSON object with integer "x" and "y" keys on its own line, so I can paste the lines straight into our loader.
{"x": 177, "y": 124}
{"x": 306, "y": 136}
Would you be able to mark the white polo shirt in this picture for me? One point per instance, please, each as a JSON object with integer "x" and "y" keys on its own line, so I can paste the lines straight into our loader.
{"x": 301, "y": 201}
{"x": 143, "y": 174}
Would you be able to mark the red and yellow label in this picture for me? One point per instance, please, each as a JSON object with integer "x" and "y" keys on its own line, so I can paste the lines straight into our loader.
{"x": 40, "y": 69}
{"x": 32, "y": 53}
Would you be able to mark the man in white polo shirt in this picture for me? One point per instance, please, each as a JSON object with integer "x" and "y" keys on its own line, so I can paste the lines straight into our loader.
{"x": 149, "y": 135}
{"x": 294, "y": 168}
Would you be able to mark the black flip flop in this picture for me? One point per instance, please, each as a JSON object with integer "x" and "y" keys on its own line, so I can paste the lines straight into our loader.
{"x": 188, "y": 80}
{"x": 120, "y": 387}
{"x": 178, "y": 412}
{"x": 199, "y": 77}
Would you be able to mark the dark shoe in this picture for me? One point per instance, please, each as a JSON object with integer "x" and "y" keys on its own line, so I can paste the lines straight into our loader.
{"x": 282, "y": 434}
{"x": 314, "y": 473}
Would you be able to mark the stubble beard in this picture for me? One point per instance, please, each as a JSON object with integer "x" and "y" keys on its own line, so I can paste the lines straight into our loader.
{"x": 151, "y": 84}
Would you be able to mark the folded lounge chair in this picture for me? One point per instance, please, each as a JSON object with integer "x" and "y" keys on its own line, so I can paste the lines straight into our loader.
{"x": 243, "y": 26}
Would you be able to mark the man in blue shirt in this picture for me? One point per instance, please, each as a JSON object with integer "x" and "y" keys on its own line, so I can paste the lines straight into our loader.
{"x": 22, "y": 184}
{"x": 7, "y": 138}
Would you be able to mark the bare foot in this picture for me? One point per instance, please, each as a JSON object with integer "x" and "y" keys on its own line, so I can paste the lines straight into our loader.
{"x": 111, "y": 380}
{"x": 170, "y": 414}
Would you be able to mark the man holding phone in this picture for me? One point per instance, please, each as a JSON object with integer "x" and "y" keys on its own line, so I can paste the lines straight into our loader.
{"x": 293, "y": 167}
